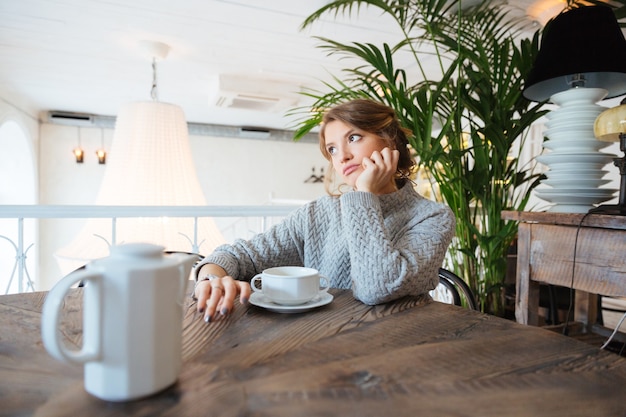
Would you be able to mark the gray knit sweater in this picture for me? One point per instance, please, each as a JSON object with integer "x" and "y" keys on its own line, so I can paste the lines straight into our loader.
{"x": 382, "y": 247}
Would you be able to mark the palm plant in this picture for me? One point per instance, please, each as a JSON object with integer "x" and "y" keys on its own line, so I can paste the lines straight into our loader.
{"x": 475, "y": 97}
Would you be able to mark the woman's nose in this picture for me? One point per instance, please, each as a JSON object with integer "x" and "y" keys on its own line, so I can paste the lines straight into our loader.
{"x": 344, "y": 155}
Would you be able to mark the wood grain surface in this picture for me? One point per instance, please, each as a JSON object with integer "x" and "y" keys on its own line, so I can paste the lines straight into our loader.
{"x": 409, "y": 357}
{"x": 567, "y": 219}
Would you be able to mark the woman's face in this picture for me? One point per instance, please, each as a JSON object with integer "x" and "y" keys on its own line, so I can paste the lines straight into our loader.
{"x": 347, "y": 146}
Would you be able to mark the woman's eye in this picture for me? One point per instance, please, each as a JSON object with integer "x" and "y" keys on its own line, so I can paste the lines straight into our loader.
{"x": 354, "y": 137}
{"x": 332, "y": 150}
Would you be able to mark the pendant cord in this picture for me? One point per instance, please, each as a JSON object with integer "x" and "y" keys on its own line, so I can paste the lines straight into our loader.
{"x": 153, "y": 91}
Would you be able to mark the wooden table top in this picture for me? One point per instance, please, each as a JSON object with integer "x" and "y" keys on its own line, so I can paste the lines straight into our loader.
{"x": 408, "y": 357}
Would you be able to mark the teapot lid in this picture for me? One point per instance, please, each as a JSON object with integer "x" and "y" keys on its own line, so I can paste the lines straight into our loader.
{"x": 143, "y": 250}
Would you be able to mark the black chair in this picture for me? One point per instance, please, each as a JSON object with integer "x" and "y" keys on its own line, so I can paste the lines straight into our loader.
{"x": 453, "y": 290}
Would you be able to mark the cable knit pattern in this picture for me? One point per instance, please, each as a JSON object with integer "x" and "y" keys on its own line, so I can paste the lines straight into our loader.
{"x": 382, "y": 247}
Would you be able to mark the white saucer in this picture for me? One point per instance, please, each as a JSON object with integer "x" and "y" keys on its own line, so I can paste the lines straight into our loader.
{"x": 259, "y": 300}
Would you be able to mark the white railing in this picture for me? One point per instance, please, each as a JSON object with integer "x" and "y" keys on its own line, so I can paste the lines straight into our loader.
{"x": 19, "y": 270}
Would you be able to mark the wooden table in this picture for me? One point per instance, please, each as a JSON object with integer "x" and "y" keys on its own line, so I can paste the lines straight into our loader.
{"x": 545, "y": 253}
{"x": 409, "y": 357}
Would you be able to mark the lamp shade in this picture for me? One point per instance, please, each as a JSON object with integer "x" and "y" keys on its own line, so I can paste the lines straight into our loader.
{"x": 610, "y": 126}
{"x": 610, "y": 123}
{"x": 150, "y": 164}
{"x": 584, "y": 41}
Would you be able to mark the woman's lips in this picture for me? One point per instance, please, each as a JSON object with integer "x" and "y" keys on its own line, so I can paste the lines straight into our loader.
{"x": 350, "y": 169}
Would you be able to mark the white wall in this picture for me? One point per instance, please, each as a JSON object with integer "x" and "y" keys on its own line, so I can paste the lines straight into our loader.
{"x": 19, "y": 152}
{"x": 231, "y": 171}
{"x": 19, "y": 136}
{"x": 246, "y": 171}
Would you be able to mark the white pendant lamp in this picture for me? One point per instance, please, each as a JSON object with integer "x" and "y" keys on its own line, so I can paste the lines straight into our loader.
{"x": 576, "y": 165}
{"x": 149, "y": 164}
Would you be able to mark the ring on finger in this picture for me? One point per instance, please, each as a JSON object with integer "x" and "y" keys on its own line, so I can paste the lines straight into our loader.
{"x": 217, "y": 287}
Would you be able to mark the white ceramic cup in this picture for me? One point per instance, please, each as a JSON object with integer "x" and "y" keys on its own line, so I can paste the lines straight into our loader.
{"x": 290, "y": 285}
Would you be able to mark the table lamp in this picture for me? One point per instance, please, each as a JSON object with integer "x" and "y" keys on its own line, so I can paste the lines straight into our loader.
{"x": 582, "y": 60}
{"x": 610, "y": 126}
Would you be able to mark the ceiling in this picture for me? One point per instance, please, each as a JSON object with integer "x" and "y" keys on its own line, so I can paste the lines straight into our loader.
{"x": 86, "y": 56}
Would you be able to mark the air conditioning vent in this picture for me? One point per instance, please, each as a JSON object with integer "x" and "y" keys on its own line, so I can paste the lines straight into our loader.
{"x": 238, "y": 92}
{"x": 248, "y": 102}
{"x": 70, "y": 118}
{"x": 254, "y": 132}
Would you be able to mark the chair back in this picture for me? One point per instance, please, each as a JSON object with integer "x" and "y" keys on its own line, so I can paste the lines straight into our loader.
{"x": 453, "y": 290}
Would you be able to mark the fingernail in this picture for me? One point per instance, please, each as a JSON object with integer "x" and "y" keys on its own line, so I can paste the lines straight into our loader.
{"x": 201, "y": 310}
{"x": 224, "y": 311}
{"x": 244, "y": 301}
{"x": 207, "y": 318}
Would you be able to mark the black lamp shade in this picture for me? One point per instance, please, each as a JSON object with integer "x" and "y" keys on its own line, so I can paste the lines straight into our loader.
{"x": 587, "y": 41}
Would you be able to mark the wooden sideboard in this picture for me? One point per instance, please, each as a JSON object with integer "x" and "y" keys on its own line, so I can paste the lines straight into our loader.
{"x": 579, "y": 251}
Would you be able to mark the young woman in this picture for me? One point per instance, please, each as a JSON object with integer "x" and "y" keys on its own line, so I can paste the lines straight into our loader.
{"x": 380, "y": 239}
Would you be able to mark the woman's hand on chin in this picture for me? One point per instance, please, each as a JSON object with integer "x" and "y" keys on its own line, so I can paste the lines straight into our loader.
{"x": 378, "y": 172}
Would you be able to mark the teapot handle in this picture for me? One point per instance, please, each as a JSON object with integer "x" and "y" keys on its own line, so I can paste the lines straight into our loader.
{"x": 92, "y": 305}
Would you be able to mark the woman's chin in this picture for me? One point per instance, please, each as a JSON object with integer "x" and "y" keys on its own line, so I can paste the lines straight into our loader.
{"x": 350, "y": 182}
{"x": 351, "y": 178}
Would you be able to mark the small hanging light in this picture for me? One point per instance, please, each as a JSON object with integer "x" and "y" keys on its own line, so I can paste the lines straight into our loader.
{"x": 101, "y": 153}
{"x": 102, "y": 156}
{"x": 78, "y": 152}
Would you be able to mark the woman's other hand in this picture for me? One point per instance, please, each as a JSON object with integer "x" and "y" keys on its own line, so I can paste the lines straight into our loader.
{"x": 378, "y": 171}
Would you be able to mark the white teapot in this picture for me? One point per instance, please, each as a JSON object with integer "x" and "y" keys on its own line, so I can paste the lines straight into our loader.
{"x": 132, "y": 321}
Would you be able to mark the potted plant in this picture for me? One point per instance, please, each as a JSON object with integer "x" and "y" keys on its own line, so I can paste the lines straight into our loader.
{"x": 476, "y": 97}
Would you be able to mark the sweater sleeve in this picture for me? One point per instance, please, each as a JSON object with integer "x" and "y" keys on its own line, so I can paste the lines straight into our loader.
{"x": 397, "y": 256}
{"x": 280, "y": 245}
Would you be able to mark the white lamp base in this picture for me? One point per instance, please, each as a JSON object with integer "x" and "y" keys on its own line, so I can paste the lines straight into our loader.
{"x": 575, "y": 163}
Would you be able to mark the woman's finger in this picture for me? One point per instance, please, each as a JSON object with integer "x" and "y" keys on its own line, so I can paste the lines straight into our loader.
{"x": 389, "y": 158}
{"x": 201, "y": 293}
{"x": 230, "y": 291}
{"x": 244, "y": 292}
{"x": 215, "y": 297}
